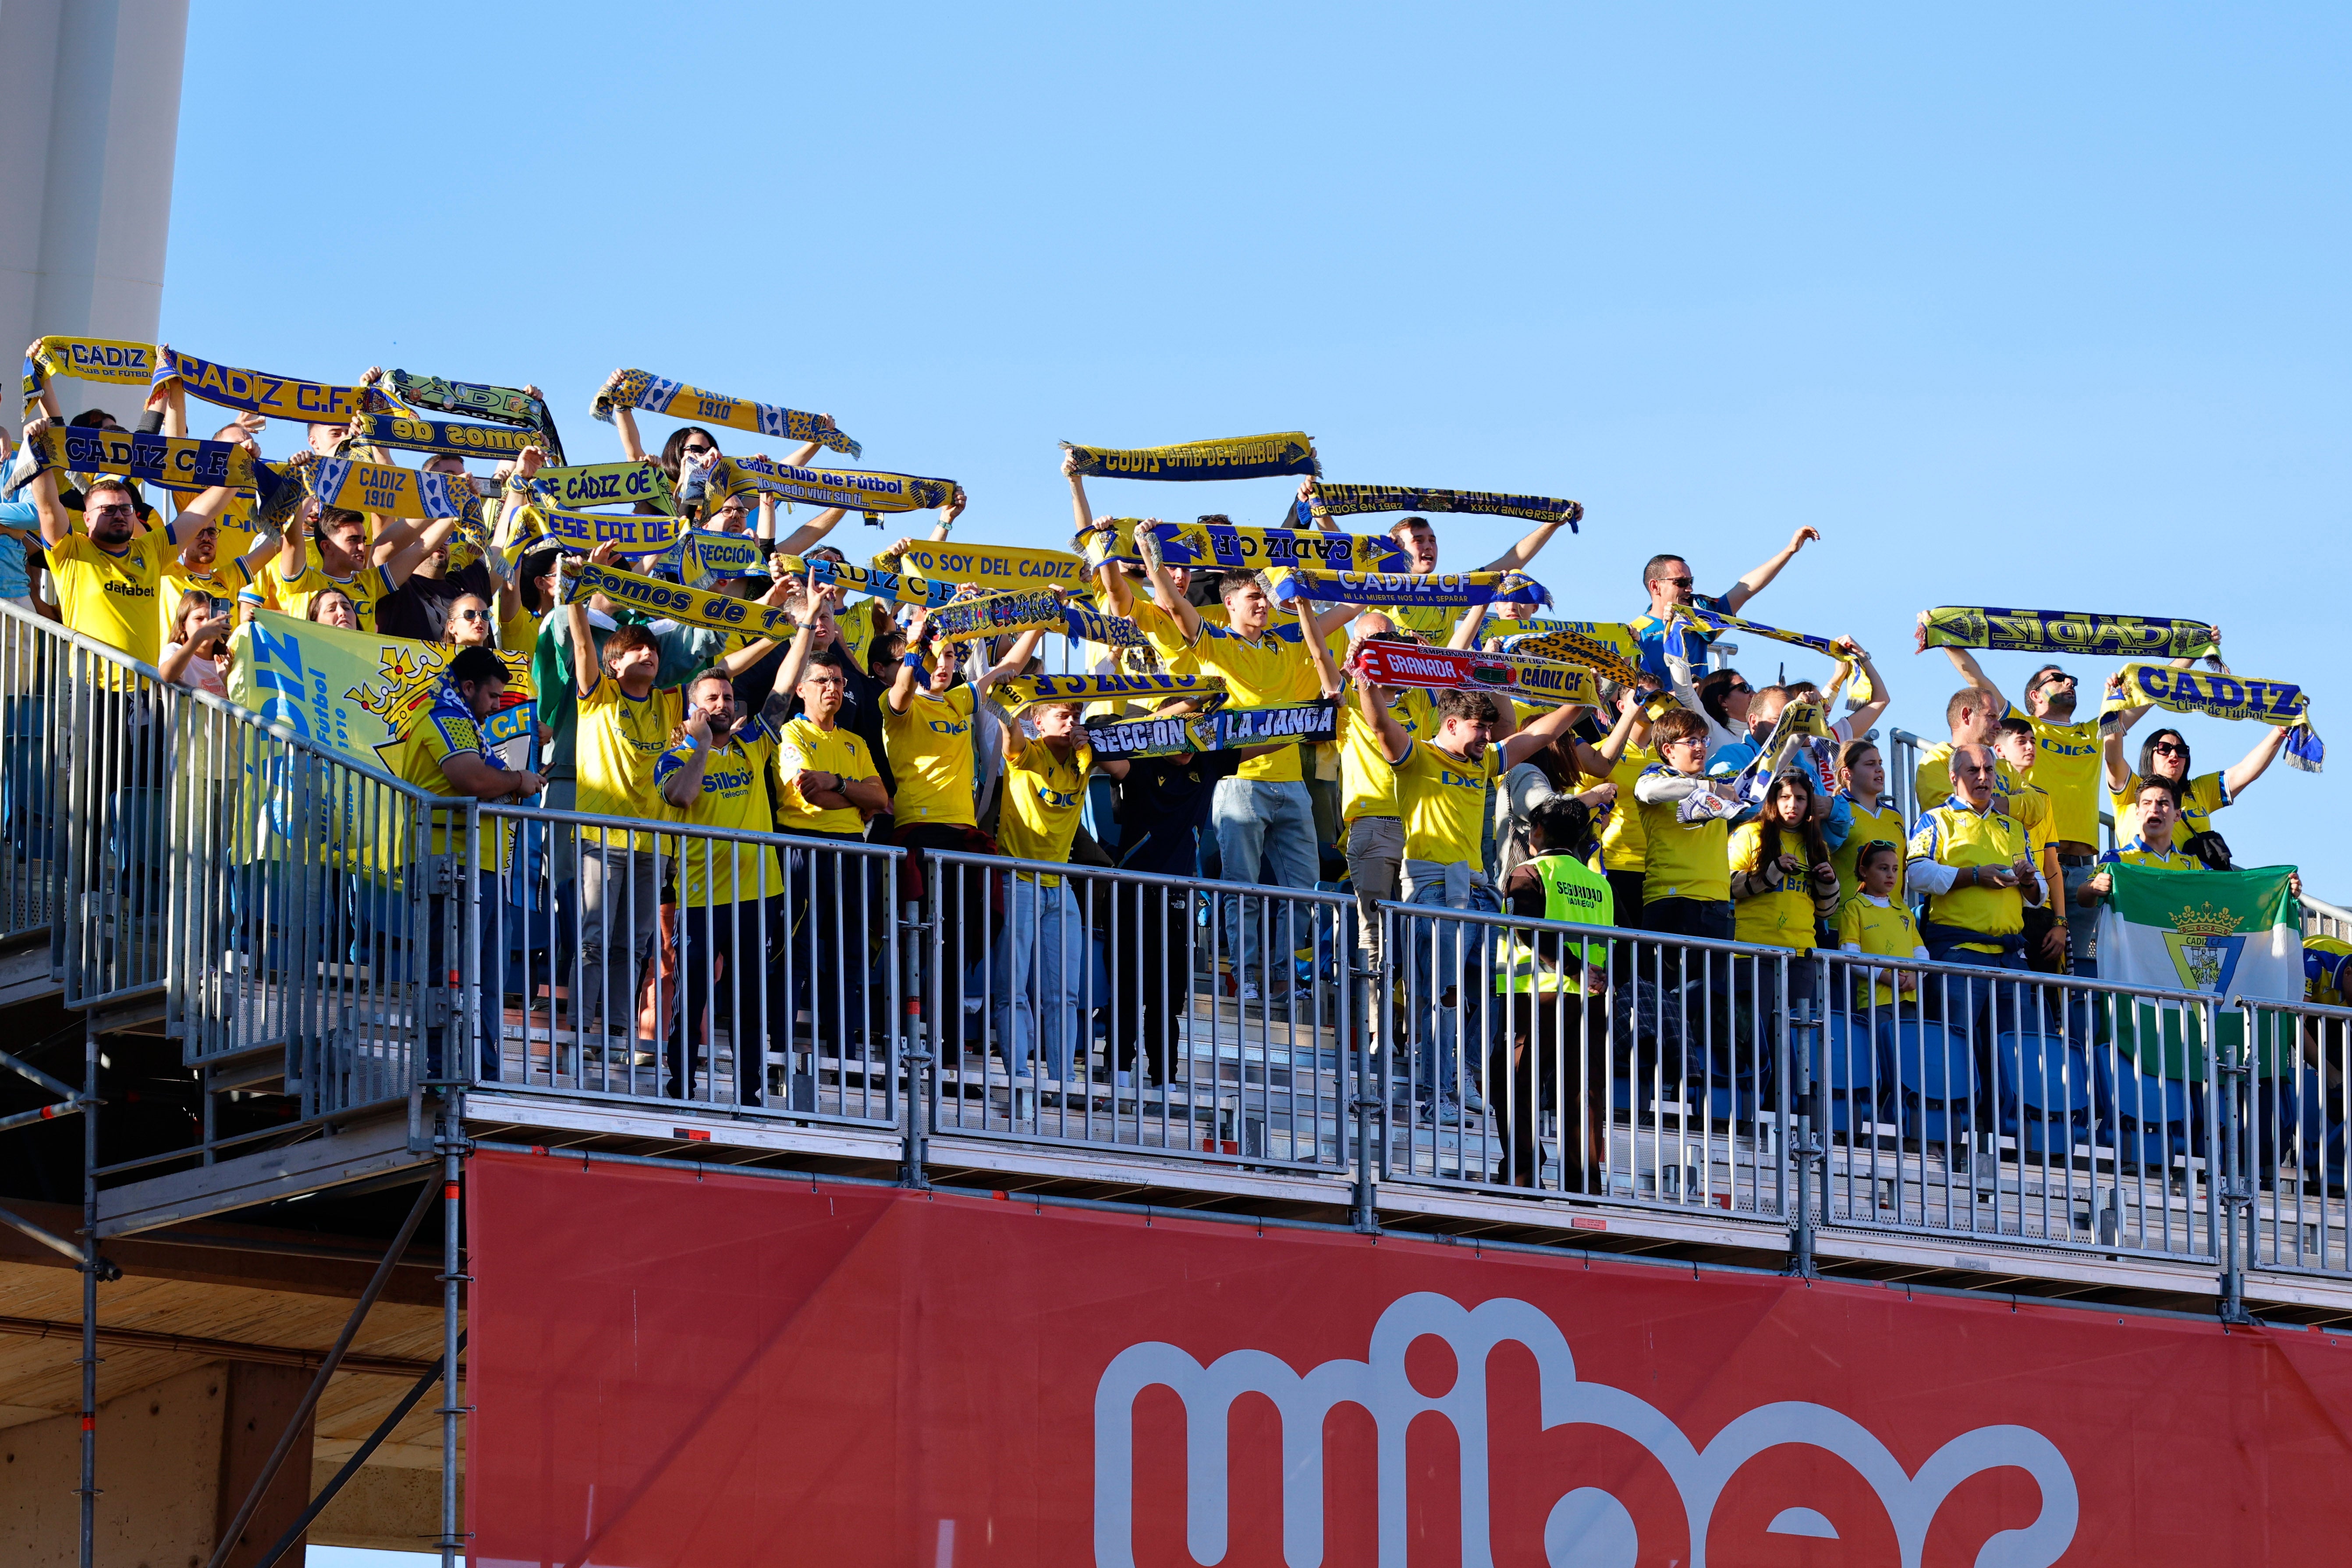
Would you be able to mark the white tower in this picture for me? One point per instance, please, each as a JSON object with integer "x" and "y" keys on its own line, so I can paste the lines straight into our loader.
{"x": 90, "y": 122}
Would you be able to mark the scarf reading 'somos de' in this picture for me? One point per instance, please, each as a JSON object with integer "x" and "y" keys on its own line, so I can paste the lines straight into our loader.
{"x": 1238, "y": 457}
{"x": 641, "y": 389}
{"x": 674, "y": 601}
{"x": 1348, "y": 500}
{"x": 2066, "y": 631}
{"x": 442, "y": 437}
{"x": 2221, "y": 696}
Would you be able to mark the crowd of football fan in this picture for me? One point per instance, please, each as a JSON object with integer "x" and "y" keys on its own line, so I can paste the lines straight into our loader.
{"x": 864, "y": 728}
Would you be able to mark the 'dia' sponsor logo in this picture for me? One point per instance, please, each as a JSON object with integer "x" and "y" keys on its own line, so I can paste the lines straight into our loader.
{"x": 1587, "y": 1525}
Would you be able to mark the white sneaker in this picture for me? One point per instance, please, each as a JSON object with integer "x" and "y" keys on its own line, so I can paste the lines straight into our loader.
{"x": 1249, "y": 994}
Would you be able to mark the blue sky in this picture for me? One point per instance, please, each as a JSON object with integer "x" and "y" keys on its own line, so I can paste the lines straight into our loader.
{"x": 2016, "y": 306}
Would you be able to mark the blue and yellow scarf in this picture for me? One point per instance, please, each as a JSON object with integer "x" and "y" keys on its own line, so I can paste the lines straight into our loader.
{"x": 275, "y": 396}
{"x": 641, "y": 389}
{"x": 1419, "y": 590}
{"x": 674, "y": 601}
{"x": 108, "y": 360}
{"x": 2221, "y": 696}
{"x": 1239, "y": 457}
{"x": 1349, "y": 500}
{"x": 507, "y": 404}
{"x": 871, "y": 493}
{"x": 442, "y": 437}
{"x": 2066, "y": 631}
{"x": 1021, "y": 691}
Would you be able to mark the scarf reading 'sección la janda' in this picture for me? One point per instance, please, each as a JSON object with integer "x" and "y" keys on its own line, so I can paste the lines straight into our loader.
{"x": 2217, "y": 695}
{"x": 1237, "y": 458}
{"x": 273, "y": 396}
{"x": 674, "y": 601}
{"x": 1432, "y": 590}
{"x": 655, "y": 395}
{"x": 1020, "y": 691}
{"x": 1224, "y": 729}
{"x": 2066, "y": 631}
{"x": 1349, "y": 500}
{"x": 110, "y": 360}
{"x": 871, "y": 493}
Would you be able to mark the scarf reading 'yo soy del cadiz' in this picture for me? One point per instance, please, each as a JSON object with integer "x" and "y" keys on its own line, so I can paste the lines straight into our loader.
{"x": 1348, "y": 500}
{"x": 1238, "y": 457}
{"x": 273, "y": 396}
{"x": 2221, "y": 696}
{"x": 641, "y": 389}
{"x": 2065, "y": 631}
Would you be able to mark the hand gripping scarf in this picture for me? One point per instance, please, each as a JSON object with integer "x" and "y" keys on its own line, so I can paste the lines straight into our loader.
{"x": 1089, "y": 625}
{"x": 1230, "y": 547}
{"x": 107, "y": 360}
{"x": 631, "y": 533}
{"x": 987, "y": 564}
{"x": 1457, "y": 669}
{"x": 994, "y": 615}
{"x": 507, "y": 404}
{"x": 2066, "y": 631}
{"x": 1797, "y": 724}
{"x": 1226, "y": 729}
{"x": 1240, "y": 458}
{"x": 871, "y": 493}
{"x": 2219, "y": 696}
{"x": 275, "y": 396}
{"x": 641, "y": 389}
{"x": 607, "y": 484}
{"x": 893, "y": 585}
{"x": 1450, "y": 590}
{"x": 1027, "y": 690}
{"x": 1839, "y": 650}
{"x": 443, "y": 437}
{"x": 1348, "y": 500}
{"x": 689, "y": 606}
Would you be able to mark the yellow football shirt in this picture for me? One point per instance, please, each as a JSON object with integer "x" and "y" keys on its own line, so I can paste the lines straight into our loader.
{"x": 1275, "y": 668}
{"x": 2135, "y": 853}
{"x": 806, "y": 746}
{"x": 1043, "y": 795}
{"x": 1686, "y": 860}
{"x": 1368, "y": 785}
{"x": 931, "y": 758}
{"x": 1869, "y": 824}
{"x": 445, "y": 728}
{"x": 1784, "y": 919}
{"x": 2206, "y": 794}
{"x": 1882, "y": 929}
{"x": 2068, "y": 763}
{"x": 113, "y": 596}
{"x": 1444, "y": 803}
{"x": 366, "y": 589}
{"x": 619, "y": 740}
{"x": 1624, "y": 846}
{"x": 734, "y": 798}
{"x": 1956, "y": 836}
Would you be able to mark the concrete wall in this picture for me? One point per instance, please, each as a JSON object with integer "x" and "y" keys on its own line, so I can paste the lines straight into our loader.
{"x": 158, "y": 1474}
{"x": 90, "y": 123}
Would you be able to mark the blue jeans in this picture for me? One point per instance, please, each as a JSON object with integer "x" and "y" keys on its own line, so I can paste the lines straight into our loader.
{"x": 1040, "y": 976}
{"x": 1253, "y": 819}
{"x": 1972, "y": 1005}
{"x": 491, "y": 1012}
{"x": 1449, "y": 963}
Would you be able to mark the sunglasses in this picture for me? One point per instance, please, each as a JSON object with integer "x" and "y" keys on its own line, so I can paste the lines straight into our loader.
{"x": 697, "y": 451}
{"x": 1743, "y": 686}
{"x": 1676, "y": 582}
{"x": 473, "y": 615}
{"x": 120, "y": 509}
{"x": 2054, "y": 677}
{"x": 2168, "y": 749}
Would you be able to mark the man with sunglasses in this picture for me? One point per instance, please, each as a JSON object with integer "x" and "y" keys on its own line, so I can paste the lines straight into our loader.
{"x": 2067, "y": 765}
{"x": 108, "y": 580}
{"x": 1668, "y": 644}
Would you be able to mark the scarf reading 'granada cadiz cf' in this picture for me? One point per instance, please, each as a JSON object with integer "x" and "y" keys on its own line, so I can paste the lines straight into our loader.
{"x": 1380, "y": 663}
{"x": 107, "y": 360}
{"x": 273, "y": 397}
{"x": 1347, "y": 500}
{"x": 641, "y": 389}
{"x": 1238, "y": 457}
{"x": 2066, "y": 631}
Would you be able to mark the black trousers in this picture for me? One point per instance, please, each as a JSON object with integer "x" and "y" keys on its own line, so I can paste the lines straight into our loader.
{"x": 961, "y": 906}
{"x": 1552, "y": 1039}
{"x": 1148, "y": 944}
{"x": 722, "y": 984}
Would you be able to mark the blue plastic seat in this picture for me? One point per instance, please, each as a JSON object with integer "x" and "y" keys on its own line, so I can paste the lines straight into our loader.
{"x": 1936, "y": 1074}
{"x": 2147, "y": 1115}
{"x": 2044, "y": 1088}
{"x": 1852, "y": 1069}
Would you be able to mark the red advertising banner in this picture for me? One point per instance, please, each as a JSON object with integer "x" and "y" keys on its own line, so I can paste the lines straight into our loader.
{"x": 714, "y": 1371}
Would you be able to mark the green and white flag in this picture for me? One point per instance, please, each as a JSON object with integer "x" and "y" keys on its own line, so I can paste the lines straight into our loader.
{"x": 2231, "y": 933}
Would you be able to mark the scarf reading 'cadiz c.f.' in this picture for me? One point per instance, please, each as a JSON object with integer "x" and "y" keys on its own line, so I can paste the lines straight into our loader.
{"x": 2220, "y": 695}
{"x": 1347, "y": 500}
{"x": 993, "y": 614}
{"x": 692, "y": 607}
{"x": 1226, "y": 729}
{"x": 175, "y": 462}
{"x": 607, "y": 484}
{"x": 1026, "y": 691}
{"x": 275, "y": 396}
{"x": 1602, "y": 646}
{"x": 641, "y": 389}
{"x": 443, "y": 437}
{"x": 108, "y": 360}
{"x": 1448, "y": 590}
{"x": 1239, "y": 457}
{"x": 871, "y": 493}
{"x": 2066, "y": 631}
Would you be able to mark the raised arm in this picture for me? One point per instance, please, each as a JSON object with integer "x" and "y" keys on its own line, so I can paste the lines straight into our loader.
{"x": 1323, "y": 622}
{"x": 1318, "y": 652}
{"x": 294, "y": 547}
{"x": 1518, "y": 746}
{"x": 1015, "y": 659}
{"x": 1164, "y": 594}
{"x": 1394, "y": 741}
{"x": 173, "y": 398}
{"x": 683, "y": 785}
{"x": 1466, "y": 629}
{"x": 49, "y": 388}
{"x": 1859, "y": 721}
{"x": 1525, "y": 551}
{"x": 587, "y": 670}
{"x": 2254, "y": 763}
{"x": 1973, "y": 674}
{"x": 1082, "y": 512}
{"x": 1760, "y": 578}
{"x": 802, "y": 539}
{"x": 411, "y": 552}
{"x": 41, "y": 490}
{"x": 624, "y": 420}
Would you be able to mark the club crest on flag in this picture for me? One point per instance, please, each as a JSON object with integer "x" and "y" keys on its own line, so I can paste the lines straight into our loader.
{"x": 2205, "y": 947}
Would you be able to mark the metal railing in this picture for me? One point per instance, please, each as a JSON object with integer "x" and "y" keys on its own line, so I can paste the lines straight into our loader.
{"x": 329, "y": 939}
